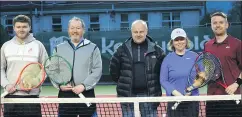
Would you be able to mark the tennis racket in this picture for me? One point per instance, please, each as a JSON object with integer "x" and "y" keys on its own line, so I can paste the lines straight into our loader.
{"x": 201, "y": 72}
{"x": 59, "y": 70}
{"x": 208, "y": 69}
{"x": 31, "y": 76}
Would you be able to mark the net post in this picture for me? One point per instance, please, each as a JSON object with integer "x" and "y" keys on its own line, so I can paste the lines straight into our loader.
{"x": 136, "y": 109}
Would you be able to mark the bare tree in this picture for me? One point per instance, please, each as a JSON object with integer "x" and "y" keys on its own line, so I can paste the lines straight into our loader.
{"x": 3, "y": 34}
{"x": 234, "y": 14}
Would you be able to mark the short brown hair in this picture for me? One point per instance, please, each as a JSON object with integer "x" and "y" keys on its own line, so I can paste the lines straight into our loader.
{"x": 219, "y": 14}
{"x": 22, "y": 18}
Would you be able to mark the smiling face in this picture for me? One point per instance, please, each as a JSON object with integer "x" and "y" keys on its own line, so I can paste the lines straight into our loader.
{"x": 75, "y": 30}
{"x": 179, "y": 43}
{"x": 219, "y": 25}
{"x": 139, "y": 32}
{"x": 21, "y": 29}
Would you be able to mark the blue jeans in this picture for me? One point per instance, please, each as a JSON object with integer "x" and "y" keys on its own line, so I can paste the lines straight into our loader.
{"x": 146, "y": 109}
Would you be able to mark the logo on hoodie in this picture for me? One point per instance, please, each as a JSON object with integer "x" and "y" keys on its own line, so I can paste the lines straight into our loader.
{"x": 30, "y": 50}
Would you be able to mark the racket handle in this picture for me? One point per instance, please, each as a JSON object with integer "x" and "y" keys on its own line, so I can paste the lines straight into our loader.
{"x": 4, "y": 94}
{"x": 175, "y": 105}
{"x": 82, "y": 96}
{"x": 237, "y": 101}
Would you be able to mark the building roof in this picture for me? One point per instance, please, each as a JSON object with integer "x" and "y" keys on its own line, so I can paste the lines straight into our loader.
{"x": 50, "y": 7}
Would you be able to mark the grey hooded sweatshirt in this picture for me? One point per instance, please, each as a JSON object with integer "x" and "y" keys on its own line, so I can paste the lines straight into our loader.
{"x": 15, "y": 55}
{"x": 85, "y": 60}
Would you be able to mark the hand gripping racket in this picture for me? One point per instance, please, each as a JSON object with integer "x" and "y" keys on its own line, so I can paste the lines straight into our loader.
{"x": 59, "y": 70}
{"x": 31, "y": 76}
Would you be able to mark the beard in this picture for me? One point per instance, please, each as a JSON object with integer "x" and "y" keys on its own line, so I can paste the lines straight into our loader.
{"x": 219, "y": 32}
{"x": 75, "y": 39}
{"x": 21, "y": 36}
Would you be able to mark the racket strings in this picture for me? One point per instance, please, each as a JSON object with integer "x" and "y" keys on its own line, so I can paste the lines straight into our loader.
{"x": 31, "y": 76}
{"x": 58, "y": 70}
{"x": 218, "y": 68}
{"x": 204, "y": 68}
{"x": 53, "y": 65}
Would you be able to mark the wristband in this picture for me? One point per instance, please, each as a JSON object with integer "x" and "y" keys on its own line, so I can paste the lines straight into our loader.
{"x": 238, "y": 81}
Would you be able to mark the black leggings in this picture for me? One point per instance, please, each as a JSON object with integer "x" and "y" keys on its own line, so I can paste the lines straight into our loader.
{"x": 184, "y": 109}
{"x": 22, "y": 110}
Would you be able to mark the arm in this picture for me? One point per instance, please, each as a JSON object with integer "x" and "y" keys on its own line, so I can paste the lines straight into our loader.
{"x": 4, "y": 80}
{"x": 96, "y": 70}
{"x": 164, "y": 80}
{"x": 161, "y": 55}
{"x": 43, "y": 55}
{"x": 114, "y": 67}
{"x": 233, "y": 87}
{"x": 239, "y": 61}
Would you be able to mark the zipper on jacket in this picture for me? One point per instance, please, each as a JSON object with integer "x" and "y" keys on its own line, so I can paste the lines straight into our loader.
{"x": 138, "y": 52}
{"x": 147, "y": 84}
{"x": 73, "y": 67}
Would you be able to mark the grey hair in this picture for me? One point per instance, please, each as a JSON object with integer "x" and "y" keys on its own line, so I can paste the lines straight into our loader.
{"x": 139, "y": 21}
{"x": 77, "y": 19}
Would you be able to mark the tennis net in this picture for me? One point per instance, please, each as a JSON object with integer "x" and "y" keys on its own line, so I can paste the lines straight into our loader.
{"x": 111, "y": 107}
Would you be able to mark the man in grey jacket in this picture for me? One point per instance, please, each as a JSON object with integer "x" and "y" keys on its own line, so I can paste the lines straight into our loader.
{"x": 86, "y": 60}
{"x": 22, "y": 49}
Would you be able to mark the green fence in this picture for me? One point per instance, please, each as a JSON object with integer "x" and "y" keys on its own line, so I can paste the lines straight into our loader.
{"x": 108, "y": 41}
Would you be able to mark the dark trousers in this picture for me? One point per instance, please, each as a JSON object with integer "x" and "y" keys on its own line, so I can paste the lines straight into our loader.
{"x": 146, "y": 109}
{"x": 223, "y": 109}
{"x": 184, "y": 109}
{"x": 74, "y": 109}
{"x": 22, "y": 110}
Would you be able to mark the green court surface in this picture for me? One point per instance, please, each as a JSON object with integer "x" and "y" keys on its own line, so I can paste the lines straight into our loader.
{"x": 99, "y": 90}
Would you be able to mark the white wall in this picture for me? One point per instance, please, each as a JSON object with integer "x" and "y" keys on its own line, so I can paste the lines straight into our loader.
{"x": 44, "y": 23}
{"x": 133, "y": 17}
{"x": 65, "y": 20}
{"x": 190, "y": 18}
{"x": 104, "y": 20}
{"x": 154, "y": 19}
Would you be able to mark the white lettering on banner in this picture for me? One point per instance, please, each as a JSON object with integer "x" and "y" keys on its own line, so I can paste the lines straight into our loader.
{"x": 107, "y": 48}
{"x": 55, "y": 41}
{"x": 111, "y": 46}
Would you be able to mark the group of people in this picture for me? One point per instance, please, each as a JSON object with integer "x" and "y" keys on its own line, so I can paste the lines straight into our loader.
{"x": 139, "y": 67}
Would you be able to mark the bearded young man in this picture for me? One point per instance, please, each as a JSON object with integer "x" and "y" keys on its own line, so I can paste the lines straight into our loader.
{"x": 22, "y": 49}
{"x": 228, "y": 49}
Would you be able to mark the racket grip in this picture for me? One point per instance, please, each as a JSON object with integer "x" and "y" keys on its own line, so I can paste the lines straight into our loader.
{"x": 175, "y": 105}
{"x": 4, "y": 94}
{"x": 237, "y": 101}
{"x": 82, "y": 96}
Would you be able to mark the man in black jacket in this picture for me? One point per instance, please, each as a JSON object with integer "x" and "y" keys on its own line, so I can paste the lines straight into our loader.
{"x": 135, "y": 66}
